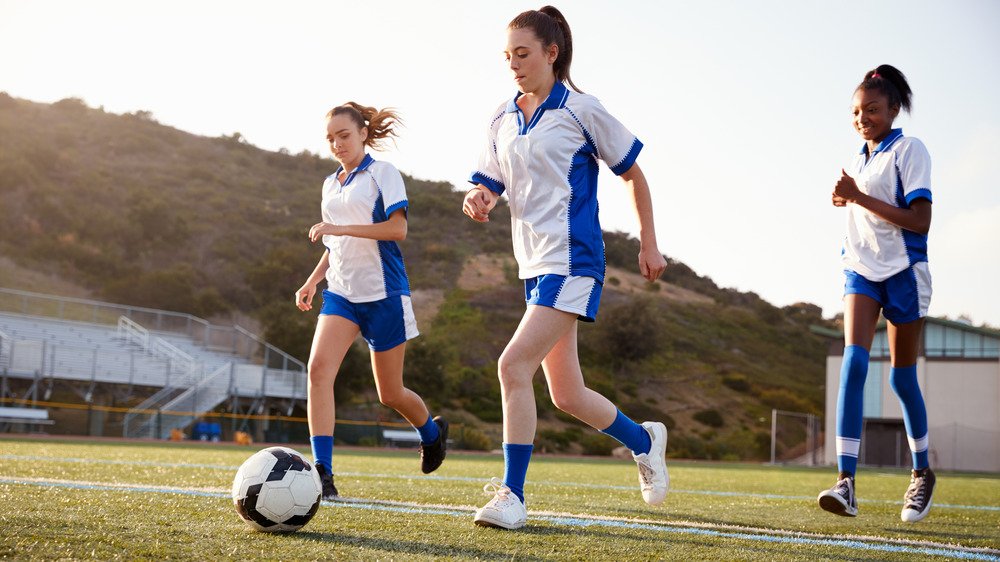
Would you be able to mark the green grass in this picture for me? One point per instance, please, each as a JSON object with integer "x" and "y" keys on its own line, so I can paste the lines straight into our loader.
{"x": 46, "y": 510}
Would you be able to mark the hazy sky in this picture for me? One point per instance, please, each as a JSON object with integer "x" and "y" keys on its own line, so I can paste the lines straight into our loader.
{"x": 743, "y": 107}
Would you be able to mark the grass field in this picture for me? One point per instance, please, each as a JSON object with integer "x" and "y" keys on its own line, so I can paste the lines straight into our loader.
{"x": 108, "y": 499}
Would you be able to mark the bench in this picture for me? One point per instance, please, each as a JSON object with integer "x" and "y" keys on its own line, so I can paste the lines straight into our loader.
{"x": 396, "y": 436}
{"x": 11, "y": 415}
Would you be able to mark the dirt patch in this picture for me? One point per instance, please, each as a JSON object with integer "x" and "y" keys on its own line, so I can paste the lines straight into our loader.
{"x": 622, "y": 281}
{"x": 485, "y": 271}
{"x": 426, "y": 303}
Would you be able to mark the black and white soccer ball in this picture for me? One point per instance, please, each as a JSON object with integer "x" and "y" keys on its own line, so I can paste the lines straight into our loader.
{"x": 277, "y": 490}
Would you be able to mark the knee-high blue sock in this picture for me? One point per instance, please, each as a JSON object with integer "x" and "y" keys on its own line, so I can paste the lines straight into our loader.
{"x": 322, "y": 446}
{"x": 630, "y": 434}
{"x": 904, "y": 382}
{"x": 428, "y": 432}
{"x": 515, "y": 467}
{"x": 849, "y": 407}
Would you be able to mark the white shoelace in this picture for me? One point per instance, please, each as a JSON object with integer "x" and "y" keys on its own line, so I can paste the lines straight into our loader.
{"x": 646, "y": 473}
{"x": 496, "y": 488}
{"x": 915, "y": 493}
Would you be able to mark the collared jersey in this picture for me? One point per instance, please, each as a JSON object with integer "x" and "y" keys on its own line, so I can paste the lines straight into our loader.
{"x": 548, "y": 168}
{"x": 364, "y": 270}
{"x": 898, "y": 172}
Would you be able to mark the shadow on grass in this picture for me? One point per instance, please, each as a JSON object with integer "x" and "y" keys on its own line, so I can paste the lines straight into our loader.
{"x": 404, "y": 548}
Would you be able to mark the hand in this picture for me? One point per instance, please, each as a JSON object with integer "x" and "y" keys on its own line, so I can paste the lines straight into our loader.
{"x": 321, "y": 229}
{"x": 846, "y": 189}
{"x": 478, "y": 204}
{"x": 651, "y": 263}
{"x": 837, "y": 200}
{"x": 304, "y": 297}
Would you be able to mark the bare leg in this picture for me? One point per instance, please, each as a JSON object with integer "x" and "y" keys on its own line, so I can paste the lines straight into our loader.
{"x": 904, "y": 342}
{"x": 566, "y": 387}
{"x": 334, "y": 336}
{"x": 540, "y": 329}
{"x": 388, "y": 369}
{"x": 860, "y": 317}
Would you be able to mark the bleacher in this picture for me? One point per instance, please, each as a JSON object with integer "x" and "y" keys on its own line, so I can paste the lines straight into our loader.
{"x": 195, "y": 365}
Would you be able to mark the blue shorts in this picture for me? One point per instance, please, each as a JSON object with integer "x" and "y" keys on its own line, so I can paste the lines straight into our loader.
{"x": 384, "y": 324}
{"x": 904, "y": 297}
{"x": 576, "y": 295}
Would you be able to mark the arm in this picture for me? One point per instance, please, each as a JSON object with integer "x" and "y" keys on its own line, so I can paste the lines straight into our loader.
{"x": 305, "y": 294}
{"x": 651, "y": 262}
{"x": 916, "y": 218}
{"x": 392, "y": 229}
{"x": 478, "y": 203}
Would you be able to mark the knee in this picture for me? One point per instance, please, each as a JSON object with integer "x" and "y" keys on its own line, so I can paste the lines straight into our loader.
{"x": 567, "y": 401}
{"x": 512, "y": 372}
{"x": 390, "y": 398}
{"x": 903, "y": 381}
{"x": 321, "y": 371}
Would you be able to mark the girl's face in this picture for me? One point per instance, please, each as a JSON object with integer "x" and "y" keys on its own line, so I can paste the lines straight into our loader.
{"x": 529, "y": 61}
{"x": 873, "y": 116}
{"x": 347, "y": 141}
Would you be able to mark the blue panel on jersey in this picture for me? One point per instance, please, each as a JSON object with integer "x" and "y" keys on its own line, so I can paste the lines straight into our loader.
{"x": 586, "y": 244}
{"x": 393, "y": 270}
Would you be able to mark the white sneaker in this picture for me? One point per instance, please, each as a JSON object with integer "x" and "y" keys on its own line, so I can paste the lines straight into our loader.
{"x": 653, "y": 477}
{"x": 505, "y": 510}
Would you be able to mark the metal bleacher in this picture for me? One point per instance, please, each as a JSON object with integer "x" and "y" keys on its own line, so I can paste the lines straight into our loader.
{"x": 195, "y": 365}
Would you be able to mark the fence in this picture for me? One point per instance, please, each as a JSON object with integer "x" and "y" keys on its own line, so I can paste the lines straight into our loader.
{"x": 795, "y": 438}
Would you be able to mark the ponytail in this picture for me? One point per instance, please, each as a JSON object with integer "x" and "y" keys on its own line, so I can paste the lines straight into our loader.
{"x": 888, "y": 80}
{"x": 551, "y": 28}
{"x": 381, "y": 123}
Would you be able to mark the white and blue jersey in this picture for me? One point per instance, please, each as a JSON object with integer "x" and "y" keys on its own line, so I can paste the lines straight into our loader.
{"x": 548, "y": 168}
{"x": 897, "y": 172}
{"x": 363, "y": 270}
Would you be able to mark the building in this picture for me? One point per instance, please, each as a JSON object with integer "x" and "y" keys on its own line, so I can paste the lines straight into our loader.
{"x": 958, "y": 368}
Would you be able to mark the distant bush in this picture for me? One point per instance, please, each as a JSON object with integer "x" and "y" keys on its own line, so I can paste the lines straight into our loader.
{"x": 598, "y": 444}
{"x": 472, "y": 439}
{"x": 710, "y": 417}
{"x": 784, "y": 399}
{"x": 737, "y": 382}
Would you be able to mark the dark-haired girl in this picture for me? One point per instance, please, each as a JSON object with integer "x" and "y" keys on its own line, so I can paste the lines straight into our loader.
{"x": 886, "y": 191}
{"x": 542, "y": 150}
{"x": 364, "y": 214}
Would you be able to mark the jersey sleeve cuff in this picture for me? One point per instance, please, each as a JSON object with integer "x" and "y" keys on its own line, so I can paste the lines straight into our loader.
{"x": 396, "y": 206}
{"x": 918, "y": 194}
{"x": 491, "y": 184}
{"x": 629, "y": 159}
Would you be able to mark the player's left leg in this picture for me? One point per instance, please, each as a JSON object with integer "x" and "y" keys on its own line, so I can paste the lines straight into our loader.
{"x": 570, "y": 394}
{"x": 388, "y": 369}
{"x": 904, "y": 342}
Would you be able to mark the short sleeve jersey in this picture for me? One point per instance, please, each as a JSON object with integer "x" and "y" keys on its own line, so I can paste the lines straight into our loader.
{"x": 548, "y": 168}
{"x": 364, "y": 270}
{"x": 897, "y": 172}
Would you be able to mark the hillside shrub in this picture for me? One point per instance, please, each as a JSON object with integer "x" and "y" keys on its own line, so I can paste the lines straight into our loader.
{"x": 710, "y": 417}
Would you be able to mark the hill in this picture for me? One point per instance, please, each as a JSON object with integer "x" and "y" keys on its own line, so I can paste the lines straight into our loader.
{"x": 126, "y": 209}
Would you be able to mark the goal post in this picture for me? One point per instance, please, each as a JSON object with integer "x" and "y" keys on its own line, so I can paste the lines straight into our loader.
{"x": 795, "y": 438}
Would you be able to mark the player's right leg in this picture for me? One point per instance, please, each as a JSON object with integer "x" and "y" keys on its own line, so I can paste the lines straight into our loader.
{"x": 334, "y": 335}
{"x": 540, "y": 329}
{"x": 861, "y": 312}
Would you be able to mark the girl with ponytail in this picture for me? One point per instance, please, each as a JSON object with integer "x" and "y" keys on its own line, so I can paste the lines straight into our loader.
{"x": 542, "y": 149}
{"x": 886, "y": 191}
{"x": 364, "y": 215}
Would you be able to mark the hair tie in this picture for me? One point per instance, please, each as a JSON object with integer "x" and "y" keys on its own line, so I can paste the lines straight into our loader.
{"x": 876, "y": 74}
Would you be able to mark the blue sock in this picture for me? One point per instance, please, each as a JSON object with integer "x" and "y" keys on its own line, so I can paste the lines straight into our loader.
{"x": 515, "y": 467}
{"x": 630, "y": 434}
{"x": 322, "y": 446}
{"x": 429, "y": 431}
{"x": 904, "y": 382}
{"x": 849, "y": 407}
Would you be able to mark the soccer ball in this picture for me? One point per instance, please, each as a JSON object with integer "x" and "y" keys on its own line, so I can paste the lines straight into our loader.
{"x": 277, "y": 490}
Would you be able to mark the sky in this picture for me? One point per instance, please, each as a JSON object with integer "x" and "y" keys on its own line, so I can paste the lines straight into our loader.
{"x": 743, "y": 107}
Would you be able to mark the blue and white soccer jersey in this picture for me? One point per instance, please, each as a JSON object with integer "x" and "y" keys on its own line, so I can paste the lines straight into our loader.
{"x": 548, "y": 168}
{"x": 364, "y": 270}
{"x": 890, "y": 262}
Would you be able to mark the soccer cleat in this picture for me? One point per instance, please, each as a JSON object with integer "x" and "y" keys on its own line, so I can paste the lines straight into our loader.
{"x": 505, "y": 510}
{"x": 653, "y": 477}
{"x": 917, "y": 500}
{"x": 329, "y": 488}
{"x": 840, "y": 498}
{"x": 431, "y": 456}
